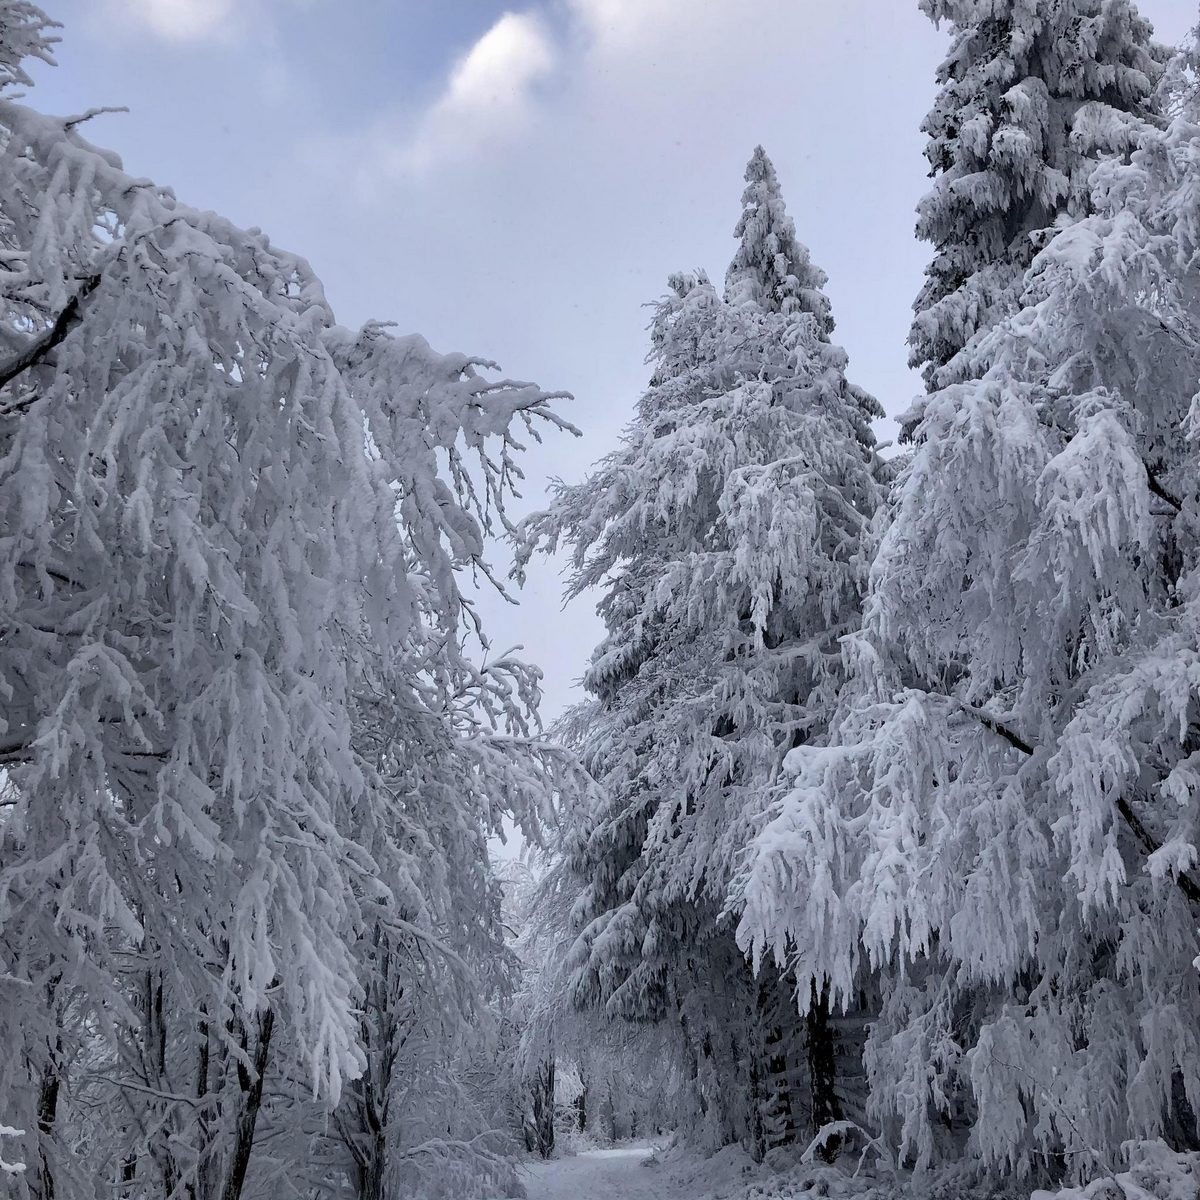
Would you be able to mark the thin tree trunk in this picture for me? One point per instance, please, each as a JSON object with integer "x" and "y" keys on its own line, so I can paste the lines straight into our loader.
{"x": 46, "y": 1116}
{"x": 756, "y": 1135}
{"x": 581, "y": 1105}
{"x": 543, "y": 1108}
{"x": 252, "y": 1089}
{"x": 203, "y": 1055}
{"x": 155, "y": 1057}
{"x": 129, "y": 1170}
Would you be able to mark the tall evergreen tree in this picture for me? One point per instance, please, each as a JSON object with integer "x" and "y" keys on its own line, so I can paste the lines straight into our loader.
{"x": 1009, "y": 154}
{"x": 726, "y": 539}
{"x": 1005, "y": 827}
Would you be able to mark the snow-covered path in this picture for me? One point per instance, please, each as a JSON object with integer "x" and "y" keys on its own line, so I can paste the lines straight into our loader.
{"x": 599, "y": 1175}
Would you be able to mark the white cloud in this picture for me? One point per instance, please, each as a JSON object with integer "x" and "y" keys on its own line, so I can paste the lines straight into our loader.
{"x": 622, "y": 22}
{"x": 489, "y": 92}
{"x": 178, "y": 20}
{"x": 189, "y": 22}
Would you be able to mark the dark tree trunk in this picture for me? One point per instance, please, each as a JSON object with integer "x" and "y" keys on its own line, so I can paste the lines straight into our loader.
{"x": 581, "y": 1117}
{"x": 756, "y": 1137}
{"x": 542, "y": 1090}
{"x": 203, "y": 1055}
{"x": 129, "y": 1169}
{"x": 608, "y": 1116}
{"x": 380, "y": 1035}
{"x": 154, "y": 1053}
{"x": 822, "y": 1069}
{"x": 46, "y": 1116}
{"x": 370, "y": 1175}
{"x": 775, "y": 1010}
{"x": 251, "y": 1085}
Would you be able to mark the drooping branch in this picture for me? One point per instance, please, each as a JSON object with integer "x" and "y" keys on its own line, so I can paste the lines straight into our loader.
{"x": 91, "y": 114}
{"x": 1146, "y": 839}
{"x": 37, "y": 351}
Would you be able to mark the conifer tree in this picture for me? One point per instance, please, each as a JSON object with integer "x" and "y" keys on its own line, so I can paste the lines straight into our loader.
{"x": 1007, "y": 153}
{"x": 770, "y": 268}
{"x": 1005, "y": 824}
{"x": 725, "y": 537}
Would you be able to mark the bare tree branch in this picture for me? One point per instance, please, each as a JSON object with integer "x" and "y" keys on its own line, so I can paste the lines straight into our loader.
{"x": 1146, "y": 839}
{"x": 1157, "y": 489}
{"x": 66, "y": 320}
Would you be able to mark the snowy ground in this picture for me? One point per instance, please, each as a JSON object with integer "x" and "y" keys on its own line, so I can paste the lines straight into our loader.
{"x": 631, "y": 1173}
{"x": 600, "y": 1175}
{"x": 645, "y": 1173}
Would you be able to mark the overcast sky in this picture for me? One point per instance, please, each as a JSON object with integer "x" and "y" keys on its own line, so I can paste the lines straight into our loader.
{"x": 518, "y": 182}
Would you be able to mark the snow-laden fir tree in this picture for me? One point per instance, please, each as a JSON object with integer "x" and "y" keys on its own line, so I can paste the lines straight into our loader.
{"x": 243, "y": 746}
{"x": 725, "y": 537}
{"x": 1004, "y": 152}
{"x": 770, "y": 268}
{"x": 1005, "y": 827}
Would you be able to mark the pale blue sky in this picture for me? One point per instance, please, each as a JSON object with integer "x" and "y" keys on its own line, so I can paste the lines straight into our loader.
{"x": 517, "y": 181}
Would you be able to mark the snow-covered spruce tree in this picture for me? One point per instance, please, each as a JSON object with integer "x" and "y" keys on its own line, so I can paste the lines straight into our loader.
{"x": 1001, "y": 151}
{"x": 770, "y": 268}
{"x": 1006, "y": 825}
{"x": 230, "y": 542}
{"x": 725, "y": 538}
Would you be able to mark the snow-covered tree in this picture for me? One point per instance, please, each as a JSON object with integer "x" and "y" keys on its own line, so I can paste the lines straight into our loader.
{"x": 725, "y": 538}
{"x": 770, "y": 268}
{"x": 1005, "y": 152}
{"x": 243, "y": 744}
{"x": 1005, "y": 827}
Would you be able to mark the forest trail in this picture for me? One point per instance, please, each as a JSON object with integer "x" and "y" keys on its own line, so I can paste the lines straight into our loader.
{"x": 600, "y": 1175}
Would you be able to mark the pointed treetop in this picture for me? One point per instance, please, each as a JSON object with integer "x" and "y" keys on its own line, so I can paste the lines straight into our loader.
{"x": 770, "y": 267}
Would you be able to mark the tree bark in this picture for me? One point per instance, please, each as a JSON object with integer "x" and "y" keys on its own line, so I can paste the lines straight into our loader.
{"x": 822, "y": 1069}
{"x": 47, "y": 1115}
{"x": 251, "y": 1085}
{"x": 542, "y": 1090}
